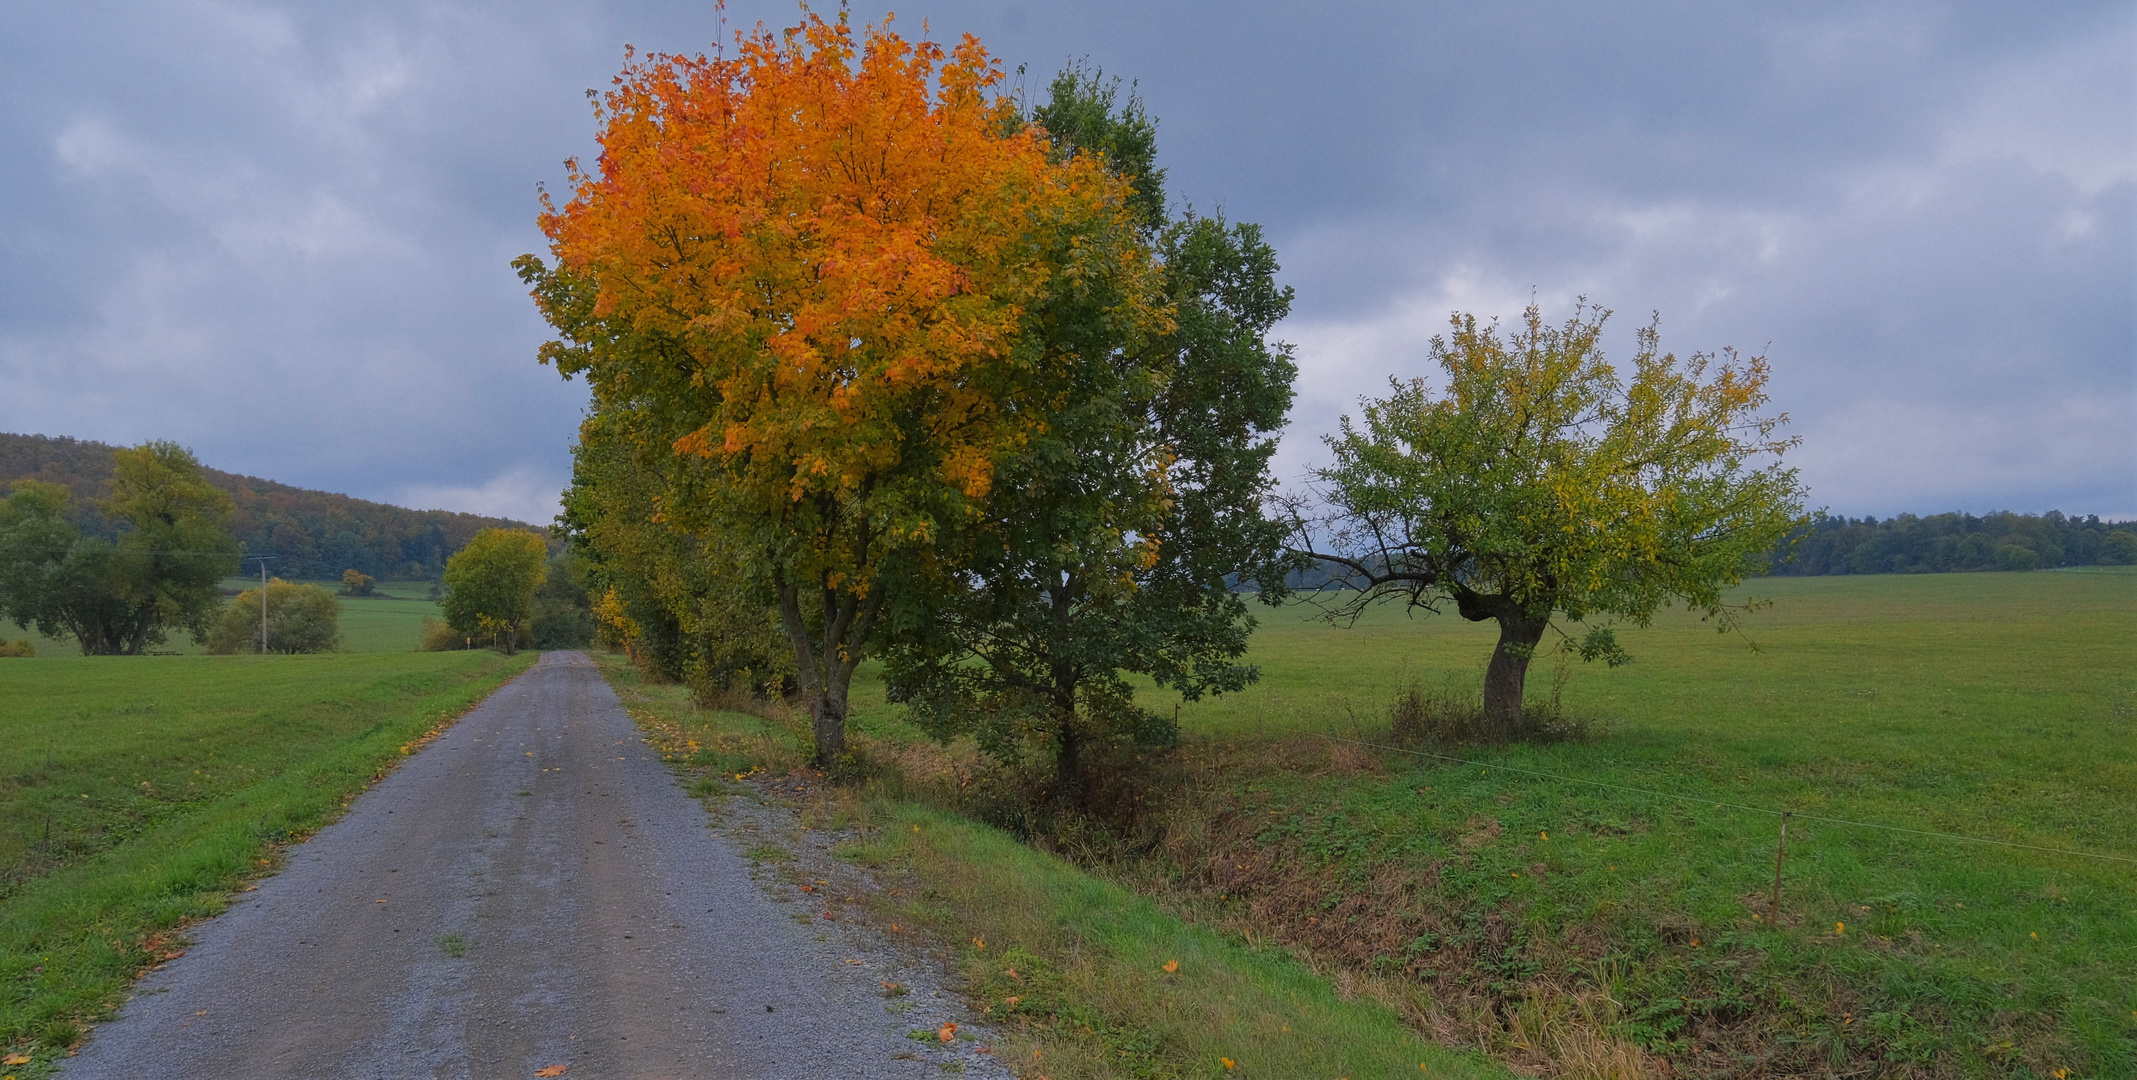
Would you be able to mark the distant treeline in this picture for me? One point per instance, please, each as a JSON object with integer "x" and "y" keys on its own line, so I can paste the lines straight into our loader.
{"x": 1944, "y": 543}
{"x": 314, "y": 534}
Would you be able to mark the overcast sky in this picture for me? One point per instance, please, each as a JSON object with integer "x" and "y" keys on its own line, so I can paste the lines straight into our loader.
{"x": 279, "y": 233}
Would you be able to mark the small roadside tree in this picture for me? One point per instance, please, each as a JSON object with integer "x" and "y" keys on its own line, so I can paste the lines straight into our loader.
{"x": 490, "y": 584}
{"x": 300, "y": 619}
{"x": 1536, "y": 481}
{"x": 357, "y": 583}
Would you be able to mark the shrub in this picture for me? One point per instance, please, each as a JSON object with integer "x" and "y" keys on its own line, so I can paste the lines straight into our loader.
{"x": 17, "y": 647}
{"x": 300, "y": 619}
{"x": 438, "y": 636}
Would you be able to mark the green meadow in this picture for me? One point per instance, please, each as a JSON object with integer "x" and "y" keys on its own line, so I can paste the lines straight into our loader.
{"x": 136, "y": 793}
{"x": 1628, "y": 877}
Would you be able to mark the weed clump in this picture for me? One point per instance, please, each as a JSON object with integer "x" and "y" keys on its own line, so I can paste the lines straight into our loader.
{"x": 1452, "y": 714}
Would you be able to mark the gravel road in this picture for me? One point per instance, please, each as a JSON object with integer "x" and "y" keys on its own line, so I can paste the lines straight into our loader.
{"x": 532, "y": 890}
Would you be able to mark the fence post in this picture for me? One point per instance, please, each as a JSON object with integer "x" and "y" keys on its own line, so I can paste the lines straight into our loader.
{"x": 1780, "y": 852}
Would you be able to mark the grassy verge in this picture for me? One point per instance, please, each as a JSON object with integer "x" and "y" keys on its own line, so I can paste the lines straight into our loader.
{"x": 137, "y": 793}
{"x": 1070, "y": 966}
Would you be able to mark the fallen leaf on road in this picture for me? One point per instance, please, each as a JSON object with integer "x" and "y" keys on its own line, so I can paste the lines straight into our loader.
{"x": 553, "y": 1070}
{"x": 378, "y": 901}
{"x": 947, "y": 1031}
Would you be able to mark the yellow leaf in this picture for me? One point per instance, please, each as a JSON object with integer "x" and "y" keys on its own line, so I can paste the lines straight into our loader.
{"x": 553, "y": 1070}
{"x": 1171, "y": 966}
{"x": 15, "y": 1059}
{"x": 1227, "y": 1063}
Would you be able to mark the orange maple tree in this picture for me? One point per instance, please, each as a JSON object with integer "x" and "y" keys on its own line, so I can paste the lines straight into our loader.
{"x": 813, "y": 267}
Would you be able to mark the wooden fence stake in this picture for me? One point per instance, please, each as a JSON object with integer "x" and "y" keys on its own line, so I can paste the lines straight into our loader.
{"x": 1780, "y": 852}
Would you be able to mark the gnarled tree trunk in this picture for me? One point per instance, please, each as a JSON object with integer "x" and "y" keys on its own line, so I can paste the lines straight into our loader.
{"x": 1508, "y": 673}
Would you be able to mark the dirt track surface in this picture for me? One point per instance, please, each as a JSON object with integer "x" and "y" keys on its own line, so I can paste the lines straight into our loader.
{"x": 531, "y": 890}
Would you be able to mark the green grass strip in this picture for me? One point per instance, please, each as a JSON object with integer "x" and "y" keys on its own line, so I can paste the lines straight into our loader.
{"x": 1094, "y": 995}
{"x": 287, "y": 743}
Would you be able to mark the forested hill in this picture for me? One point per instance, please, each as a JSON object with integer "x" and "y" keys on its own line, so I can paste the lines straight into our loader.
{"x": 315, "y": 534}
{"x": 1942, "y": 543}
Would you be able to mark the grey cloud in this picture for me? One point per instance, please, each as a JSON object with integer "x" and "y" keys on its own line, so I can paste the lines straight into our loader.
{"x": 279, "y": 232}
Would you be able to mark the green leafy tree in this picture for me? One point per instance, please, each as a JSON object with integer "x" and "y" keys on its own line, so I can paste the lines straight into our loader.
{"x": 813, "y": 263}
{"x": 1537, "y": 481}
{"x": 1119, "y": 532}
{"x": 563, "y": 613}
{"x": 490, "y": 584}
{"x": 119, "y": 597}
{"x": 2120, "y": 548}
{"x": 300, "y": 619}
{"x": 684, "y": 603}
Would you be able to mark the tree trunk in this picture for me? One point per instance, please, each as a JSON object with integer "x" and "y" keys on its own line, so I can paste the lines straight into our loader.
{"x": 828, "y": 719}
{"x": 825, "y": 668}
{"x": 1068, "y": 750}
{"x": 1508, "y": 673}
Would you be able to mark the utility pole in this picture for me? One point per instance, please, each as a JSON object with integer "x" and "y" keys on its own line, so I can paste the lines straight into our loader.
{"x": 263, "y": 601}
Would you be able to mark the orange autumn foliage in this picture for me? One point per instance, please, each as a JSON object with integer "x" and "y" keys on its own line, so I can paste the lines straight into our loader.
{"x": 828, "y": 275}
{"x": 837, "y": 244}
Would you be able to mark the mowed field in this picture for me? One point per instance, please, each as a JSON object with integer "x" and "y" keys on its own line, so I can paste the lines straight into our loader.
{"x": 1636, "y": 867}
{"x": 389, "y": 622}
{"x": 137, "y": 792}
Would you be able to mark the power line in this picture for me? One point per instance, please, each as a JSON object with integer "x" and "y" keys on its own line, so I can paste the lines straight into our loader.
{"x": 1734, "y": 806}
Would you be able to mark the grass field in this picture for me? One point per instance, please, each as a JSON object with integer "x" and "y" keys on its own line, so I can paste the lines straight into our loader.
{"x": 390, "y": 622}
{"x": 1997, "y": 706}
{"x": 137, "y": 792}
